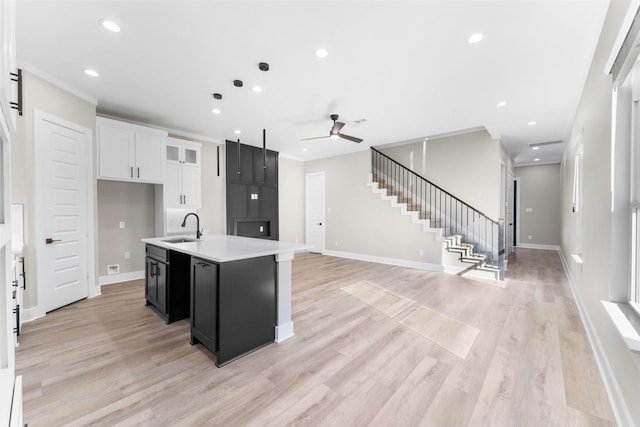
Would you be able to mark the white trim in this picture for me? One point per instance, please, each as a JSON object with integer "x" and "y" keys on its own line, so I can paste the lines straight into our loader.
{"x": 624, "y": 326}
{"x": 622, "y": 34}
{"x": 93, "y": 289}
{"x": 517, "y": 188}
{"x": 122, "y": 277}
{"x": 538, "y": 246}
{"x": 616, "y": 398}
{"x": 54, "y": 81}
{"x": 385, "y": 260}
{"x": 284, "y": 332}
{"x": 32, "y": 313}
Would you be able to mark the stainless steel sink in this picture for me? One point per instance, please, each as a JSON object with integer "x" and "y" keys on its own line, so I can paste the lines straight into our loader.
{"x": 179, "y": 240}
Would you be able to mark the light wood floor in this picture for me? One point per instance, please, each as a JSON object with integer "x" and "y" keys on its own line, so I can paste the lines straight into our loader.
{"x": 417, "y": 348}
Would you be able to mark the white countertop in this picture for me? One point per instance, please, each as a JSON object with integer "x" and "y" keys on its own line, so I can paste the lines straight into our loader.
{"x": 224, "y": 248}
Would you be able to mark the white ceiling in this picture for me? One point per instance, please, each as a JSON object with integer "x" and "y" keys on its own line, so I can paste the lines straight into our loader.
{"x": 404, "y": 66}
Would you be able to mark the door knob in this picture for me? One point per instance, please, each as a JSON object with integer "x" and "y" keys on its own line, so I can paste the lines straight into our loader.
{"x": 49, "y": 240}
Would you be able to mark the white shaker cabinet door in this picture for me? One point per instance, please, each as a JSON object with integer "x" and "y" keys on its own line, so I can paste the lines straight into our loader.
{"x": 115, "y": 152}
{"x": 149, "y": 158}
{"x": 191, "y": 186}
{"x": 172, "y": 187}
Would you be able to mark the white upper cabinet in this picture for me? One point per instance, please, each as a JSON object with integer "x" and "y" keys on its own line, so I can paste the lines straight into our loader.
{"x": 128, "y": 152}
{"x": 182, "y": 183}
{"x": 8, "y": 88}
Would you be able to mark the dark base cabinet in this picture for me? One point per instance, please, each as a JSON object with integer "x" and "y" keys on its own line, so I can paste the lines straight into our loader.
{"x": 233, "y": 306}
{"x": 167, "y": 287}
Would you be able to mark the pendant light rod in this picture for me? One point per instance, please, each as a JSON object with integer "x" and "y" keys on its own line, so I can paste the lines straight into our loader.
{"x": 264, "y": 148}
{"x": 238, "y": 157}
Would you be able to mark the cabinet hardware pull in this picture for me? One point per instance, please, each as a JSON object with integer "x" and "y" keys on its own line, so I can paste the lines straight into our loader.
{"x": 131, "y": 171}
{"x": 49, "y": 240}
{"x": 138, "y": 172}
{"x": 184, "y": 197}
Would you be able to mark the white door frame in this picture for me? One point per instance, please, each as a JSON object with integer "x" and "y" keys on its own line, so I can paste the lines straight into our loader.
{"x": 306, "y": 212}
{"x": 516, "y": 208}
{"x": 40, "y": 118}
{"x": 510, "y": 208}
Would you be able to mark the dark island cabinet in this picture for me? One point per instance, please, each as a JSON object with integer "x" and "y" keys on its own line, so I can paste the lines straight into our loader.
{"x": 233, "y": 305}
{"x": 204, "y": 303}
{"x": 167, "y": 283}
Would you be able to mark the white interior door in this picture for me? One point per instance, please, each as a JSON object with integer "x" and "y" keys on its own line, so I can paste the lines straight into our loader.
{"x": 61, "y": 212}
{"x": 314, "y": 211}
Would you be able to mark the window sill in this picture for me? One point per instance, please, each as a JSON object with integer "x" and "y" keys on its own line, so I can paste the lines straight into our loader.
{"x": 627, "y": 321}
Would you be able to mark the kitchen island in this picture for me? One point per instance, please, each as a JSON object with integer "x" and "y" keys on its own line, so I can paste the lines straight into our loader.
{"x": 240, "y": 291}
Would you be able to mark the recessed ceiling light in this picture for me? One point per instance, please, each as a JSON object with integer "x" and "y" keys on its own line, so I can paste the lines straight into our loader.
{"x": 531, "y": 123}
{"x": 305, "y": 149}
{"x": 475, "y": 38}
{"x": 501, "y": 104}
{"x": 536, "y": 159}
{"x": 216, "y": 111}
{"x": 256, "y": 89}
{"x": 110, "y": 25}
{"x": 237, "y": 132}
{"x": 535, "y": 148}
{"x": 90, "y": 72}
{"x": 322, "y": 53}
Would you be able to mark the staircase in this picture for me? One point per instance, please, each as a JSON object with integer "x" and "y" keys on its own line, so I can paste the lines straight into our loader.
{"x": 473, "y": 243}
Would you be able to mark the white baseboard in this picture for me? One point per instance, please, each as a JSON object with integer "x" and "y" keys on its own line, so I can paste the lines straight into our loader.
{"x": 122, "y": 277}
{"x": 284, "y": 332}
{"x": 31, "y": 314}
{"x": 537, "y": 246}
{"x": 384, "y": 260}
{"x": 618, "y": 405}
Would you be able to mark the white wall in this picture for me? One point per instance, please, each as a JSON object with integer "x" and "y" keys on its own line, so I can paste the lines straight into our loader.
{"x": 291, "y": 200}
{"x": 359, "y": 222}
{"x": 593, "y": 280}
{"x": 540, "y": 191}
{"x": 466, "y": 165}
{"x": 213, "y": 211}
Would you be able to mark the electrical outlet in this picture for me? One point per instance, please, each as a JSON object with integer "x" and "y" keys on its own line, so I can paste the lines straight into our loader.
{"x": 529, "y": 237}
{"x": 127, "y": 255}
{"x": 113, "y": 269}
{"x": 121, "y": 224}
{"x": 420, "y": 252}
{"x": 335, "y": 243}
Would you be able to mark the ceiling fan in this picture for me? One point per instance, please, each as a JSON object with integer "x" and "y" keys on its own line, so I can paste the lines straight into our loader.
{"x": 335, "y": 132}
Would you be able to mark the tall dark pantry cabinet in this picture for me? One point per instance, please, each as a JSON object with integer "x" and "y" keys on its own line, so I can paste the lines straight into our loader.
{"x": 252, "y": 191}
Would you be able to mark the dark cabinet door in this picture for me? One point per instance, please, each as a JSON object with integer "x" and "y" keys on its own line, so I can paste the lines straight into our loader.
{"x": 204, "y": 303}
{"x": 161, "y": 286}
{"x": 150, "y": 287}
{"x": 156, "y": 284}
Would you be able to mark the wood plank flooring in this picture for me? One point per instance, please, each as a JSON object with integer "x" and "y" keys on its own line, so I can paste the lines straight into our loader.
{"x": 526, "y": 362}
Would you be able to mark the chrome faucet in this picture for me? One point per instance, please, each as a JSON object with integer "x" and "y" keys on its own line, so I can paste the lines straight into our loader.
{"x": 184, "y": 223}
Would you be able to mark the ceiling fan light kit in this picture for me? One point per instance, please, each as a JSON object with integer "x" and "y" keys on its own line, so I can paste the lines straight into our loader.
{"x": 334, "y": 132}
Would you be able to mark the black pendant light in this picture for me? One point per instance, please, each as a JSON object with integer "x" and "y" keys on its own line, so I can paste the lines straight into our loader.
{"x": 238, "y": 157}
{"x": 264, "y": 148}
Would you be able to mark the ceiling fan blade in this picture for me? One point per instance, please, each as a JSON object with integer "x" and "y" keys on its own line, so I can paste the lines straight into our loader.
{"x": 336, "y": 128}
{"x": 315, "y": 137}
{"x": 350, "y": 138}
